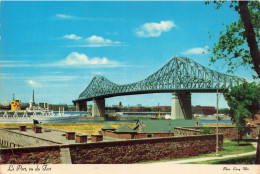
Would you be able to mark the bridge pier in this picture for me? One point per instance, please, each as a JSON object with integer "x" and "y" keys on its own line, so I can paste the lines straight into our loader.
{"x": 98, "y": 107}
{"x": 181, "y": 106}
{"x": 81, "y": 106}
{"x": 77, "y": 106}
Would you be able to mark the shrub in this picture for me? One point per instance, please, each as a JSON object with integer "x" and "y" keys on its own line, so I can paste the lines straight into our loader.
{"x": 206, "y": 130}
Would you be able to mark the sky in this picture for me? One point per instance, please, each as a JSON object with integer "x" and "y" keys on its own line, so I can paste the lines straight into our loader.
{"x": 56, "y": 48}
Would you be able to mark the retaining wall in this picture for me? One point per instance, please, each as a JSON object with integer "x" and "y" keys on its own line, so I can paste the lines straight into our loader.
{"x": 113, "y": 152}
{"x": 228, "y": 132}
{"x": 113, "y": 134}
{"x": 31, "y": 155}
{"x": 15, "y": 139}
{"x": 178, "y": 131}
{"x": 132, "y": 151}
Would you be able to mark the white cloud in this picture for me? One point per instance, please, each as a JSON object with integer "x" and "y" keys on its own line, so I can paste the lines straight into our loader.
{"x": 6, "y": 64}
{"x": 74, "y": 59}
{"x": 154, "y": 29}
{"x": 98, "y": 41}
{"x": 33, "y": 83}
{"x": 63, "y": 16}
{"x": 197, "y": 50}
{"x": 77, "y": 59}
{"x": 98, "y": 73}
{"x": 72, "y": 37}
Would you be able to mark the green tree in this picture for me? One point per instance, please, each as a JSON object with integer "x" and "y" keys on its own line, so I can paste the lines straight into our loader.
{"x": 244, "y": 102}
{"x": 224, "y": 111}
{"x": 196, "y": 109}
{"x": 238, "y": 44}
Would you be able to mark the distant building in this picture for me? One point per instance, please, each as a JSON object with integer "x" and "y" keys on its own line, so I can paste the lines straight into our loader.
{"x": 72, "y": 108}
{"x": 43, "y": 105}
{"x": 7, "y": 103}
{"x": 208, "y": 110}
{"x": 56, "y": 107}
{"x": 137, "y": 109}
{"x": 162, "y": 108}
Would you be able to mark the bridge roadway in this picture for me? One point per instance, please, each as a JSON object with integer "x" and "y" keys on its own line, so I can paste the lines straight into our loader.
{"x": 181, "y": 76}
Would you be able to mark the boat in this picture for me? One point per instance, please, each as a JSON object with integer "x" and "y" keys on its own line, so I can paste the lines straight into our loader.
{"x": 33, "y": 112}
{"x": 44, "y": 116}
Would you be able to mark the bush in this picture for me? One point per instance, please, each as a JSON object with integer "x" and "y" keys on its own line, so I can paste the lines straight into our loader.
{"x": 206, "y": 130}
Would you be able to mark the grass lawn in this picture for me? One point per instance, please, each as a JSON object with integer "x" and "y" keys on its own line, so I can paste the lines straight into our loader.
{"x": 249, "y": 159}
{"x": 220, "y": 125}
{"x": 230, "y": 147}
{"x": 14, "y": 125}
{"x": 89, "y": 128}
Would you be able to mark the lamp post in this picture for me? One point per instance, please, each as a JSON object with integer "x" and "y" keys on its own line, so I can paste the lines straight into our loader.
{"x": 217, "y": 148}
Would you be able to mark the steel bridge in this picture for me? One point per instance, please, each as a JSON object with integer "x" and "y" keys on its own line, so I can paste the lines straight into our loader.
{"x": 179, "y": 75}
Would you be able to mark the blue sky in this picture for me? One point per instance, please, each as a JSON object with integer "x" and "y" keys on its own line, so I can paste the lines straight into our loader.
{"x": 57, "y": 47}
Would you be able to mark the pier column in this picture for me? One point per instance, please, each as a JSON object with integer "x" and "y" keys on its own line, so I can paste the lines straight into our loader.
{"x": 77, "y": 106}
{"x": 181, "y": 106}
{"x": 83, "y": 106}
{"x": 98, "y": 108}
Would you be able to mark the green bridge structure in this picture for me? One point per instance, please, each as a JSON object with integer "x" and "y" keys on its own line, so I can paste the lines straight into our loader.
{"x": 181, "y": 76}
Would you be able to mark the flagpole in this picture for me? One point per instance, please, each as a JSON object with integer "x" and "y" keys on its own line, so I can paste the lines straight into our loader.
{"x": 217, "y": 148}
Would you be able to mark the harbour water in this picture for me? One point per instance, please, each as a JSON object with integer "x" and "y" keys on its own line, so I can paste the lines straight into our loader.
{"x": 215, "y": 121}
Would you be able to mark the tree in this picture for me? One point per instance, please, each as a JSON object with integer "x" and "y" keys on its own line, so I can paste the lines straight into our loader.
{"x": 223, "y": 111}
{"x": 244, "y": 102}
{"x": 196, "y": 109}
{"x": 238, "y": 45}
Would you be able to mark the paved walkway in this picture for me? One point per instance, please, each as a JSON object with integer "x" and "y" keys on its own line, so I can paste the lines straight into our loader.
{"x": 210, "y": 158}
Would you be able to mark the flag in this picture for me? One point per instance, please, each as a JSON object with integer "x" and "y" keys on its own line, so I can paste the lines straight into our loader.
{"x": 143, "y": 125}
{"x": 197, "y": 124}
{"x": 248, "y": 124}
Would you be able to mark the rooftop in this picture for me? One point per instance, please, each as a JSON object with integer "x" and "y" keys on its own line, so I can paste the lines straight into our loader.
{"x": 124, "y": 129}
{"x": 164, "y": 125}
{"x": 108, "y": 127}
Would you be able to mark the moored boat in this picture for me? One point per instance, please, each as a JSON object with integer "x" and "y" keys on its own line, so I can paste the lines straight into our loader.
{"x": 44, "y": 115}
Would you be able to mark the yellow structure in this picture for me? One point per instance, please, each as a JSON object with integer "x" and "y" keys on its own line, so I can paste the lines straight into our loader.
{"x": 15, "y": 105}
